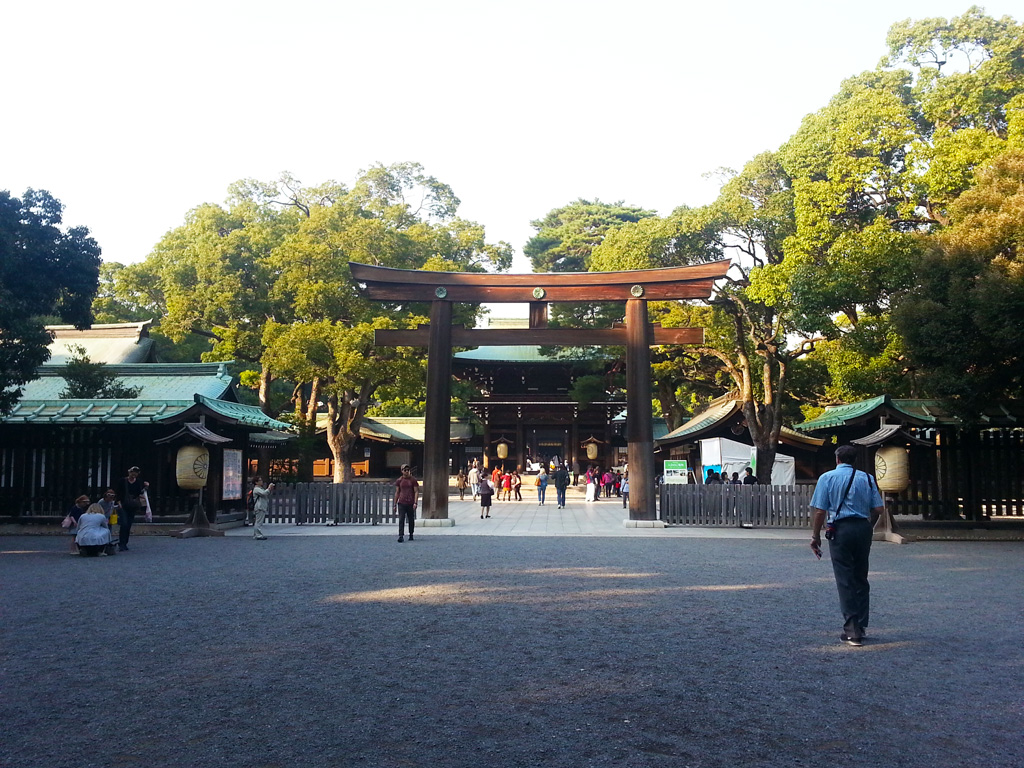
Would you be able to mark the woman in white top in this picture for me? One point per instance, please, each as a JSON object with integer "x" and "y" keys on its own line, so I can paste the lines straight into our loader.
{"x": 93, "y": 531}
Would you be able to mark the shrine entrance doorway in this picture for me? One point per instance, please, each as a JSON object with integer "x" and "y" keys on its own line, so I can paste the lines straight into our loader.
{"x": 635, "y": 288}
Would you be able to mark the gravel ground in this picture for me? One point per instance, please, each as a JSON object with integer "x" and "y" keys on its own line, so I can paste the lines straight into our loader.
{"x": 474, "y": 651}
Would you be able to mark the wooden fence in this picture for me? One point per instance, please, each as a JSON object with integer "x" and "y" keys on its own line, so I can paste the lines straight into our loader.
{"x": 356, "y": 502}
{"x": 760, "y": 506}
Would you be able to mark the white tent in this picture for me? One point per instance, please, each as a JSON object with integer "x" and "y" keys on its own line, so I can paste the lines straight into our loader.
{"x": 723, "y": 455}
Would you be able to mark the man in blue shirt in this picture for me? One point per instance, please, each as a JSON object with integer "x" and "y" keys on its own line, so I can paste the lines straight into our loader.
{"x": 851, "y": 503}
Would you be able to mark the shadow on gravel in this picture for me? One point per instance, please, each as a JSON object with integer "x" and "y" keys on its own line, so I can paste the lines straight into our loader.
{"x": 470, "y": 651}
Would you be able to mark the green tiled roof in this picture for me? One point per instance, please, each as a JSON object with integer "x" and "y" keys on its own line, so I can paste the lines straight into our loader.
{"x": 133, "y": 412}
{"x": 915, "y": 412}
{"x": 517, "y": 354}
{"x": 658, "y": 426}
{"x": 716, "y": 412}
{"x": 403, "y": 429}
{"x": 156, "y": 381}
{"x": 838, "y": 415}
{"x": 243, "y": 414}
{"x": 103, "y": 343}
{"x": 94, "y": 411}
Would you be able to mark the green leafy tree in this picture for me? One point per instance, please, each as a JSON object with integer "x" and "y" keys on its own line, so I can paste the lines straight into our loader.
{"x": 747, "y": 332}
{"x": 958, "y": 321}
{"x": 45, "y": 272}
{"x": 566, "y": 237}
{"x": 961, "y": 322}
{"x": 268, "y": 275}
{"x": 89, "y": 380}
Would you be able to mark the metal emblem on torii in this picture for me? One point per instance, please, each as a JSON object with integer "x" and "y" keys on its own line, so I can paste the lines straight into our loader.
{"x": 442, "y": 289}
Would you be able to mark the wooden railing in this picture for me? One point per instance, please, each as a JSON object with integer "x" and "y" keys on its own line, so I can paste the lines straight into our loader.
{"x": 332, "y": 503}
{"x": 759, "y": 506}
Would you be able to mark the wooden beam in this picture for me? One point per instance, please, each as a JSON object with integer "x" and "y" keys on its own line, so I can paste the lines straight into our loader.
{"x": 367, "y": 273}
{"x": 514, "y": 294}
{"x": 561, "y": 337}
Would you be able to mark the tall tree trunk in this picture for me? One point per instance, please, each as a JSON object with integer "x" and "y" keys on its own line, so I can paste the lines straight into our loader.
{"x": 671, "y": 410}
{"x": 344, "y": 418}
{"x": 264, "y": 391}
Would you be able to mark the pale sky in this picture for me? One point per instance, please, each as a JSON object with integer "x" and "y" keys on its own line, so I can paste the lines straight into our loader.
{"x": 132, "y": 113}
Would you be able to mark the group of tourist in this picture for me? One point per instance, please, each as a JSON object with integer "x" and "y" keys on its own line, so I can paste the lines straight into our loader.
{"x": 610, "y": 482}
{"x": 715, "y": 478}
{"x": 90, "y": 523}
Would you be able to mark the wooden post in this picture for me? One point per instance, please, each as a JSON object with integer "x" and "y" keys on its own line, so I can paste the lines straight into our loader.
{"x": 485, "y": 459}
{"x": 520, "y": 445}
{"x": 639, "y": 429}
{"x": 574, "y": 442}
{"x": 437, "y": 425}
{"x": 538, "y": 314}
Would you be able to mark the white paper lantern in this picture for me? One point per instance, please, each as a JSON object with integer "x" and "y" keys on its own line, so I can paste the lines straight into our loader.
{"x": 892, "y": 468}
{"x": 192, "y": 466}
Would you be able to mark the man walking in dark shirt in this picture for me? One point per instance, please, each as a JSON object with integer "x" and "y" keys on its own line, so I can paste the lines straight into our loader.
{"x": 407, "y": 492}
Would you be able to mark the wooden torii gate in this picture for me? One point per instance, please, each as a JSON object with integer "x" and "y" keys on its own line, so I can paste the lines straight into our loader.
{"x": 442, "y": 289}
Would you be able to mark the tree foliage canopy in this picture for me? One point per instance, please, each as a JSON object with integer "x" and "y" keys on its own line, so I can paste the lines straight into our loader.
{"x": 266, "y": 275}
{"x": 90, "y": 380}
{"x": 46, "y": 273}
{"x": 881, "y": 242}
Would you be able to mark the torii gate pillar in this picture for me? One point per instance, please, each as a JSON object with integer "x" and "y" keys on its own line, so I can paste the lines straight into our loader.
{"x": 639, "y": 429}
{"x": 437, "y": 426}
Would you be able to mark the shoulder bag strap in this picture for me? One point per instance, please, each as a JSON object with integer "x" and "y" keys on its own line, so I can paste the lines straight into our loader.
{"x": 853, "y": 474}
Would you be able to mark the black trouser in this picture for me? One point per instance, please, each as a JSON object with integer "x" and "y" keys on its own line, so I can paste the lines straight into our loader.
{"x": 406, "y": 511}
{"x": 849, "y": 551}
{"x": 126, "y": 517}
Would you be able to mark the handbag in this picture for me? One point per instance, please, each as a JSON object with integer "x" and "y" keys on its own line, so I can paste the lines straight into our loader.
{"x": 67, "y": 522}
{"x": 113, "y": 518}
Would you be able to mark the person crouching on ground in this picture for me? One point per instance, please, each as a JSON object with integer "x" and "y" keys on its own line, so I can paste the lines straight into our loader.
{"x": 109, "y": 504}
{"x": 93, "y": 531}
{"x": 76, "y": 511}
{"x": 851, "y": 503}
{"x": 407, "y": 492}
{"x": 261, "y": 505}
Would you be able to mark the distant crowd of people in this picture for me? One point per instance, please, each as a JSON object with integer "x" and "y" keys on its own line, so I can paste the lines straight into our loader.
{"x": 715, "y": 478}
{"x": 502, "y": 484}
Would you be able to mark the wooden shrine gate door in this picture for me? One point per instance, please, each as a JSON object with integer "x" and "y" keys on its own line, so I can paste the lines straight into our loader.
{"x": 442, "y": 289}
